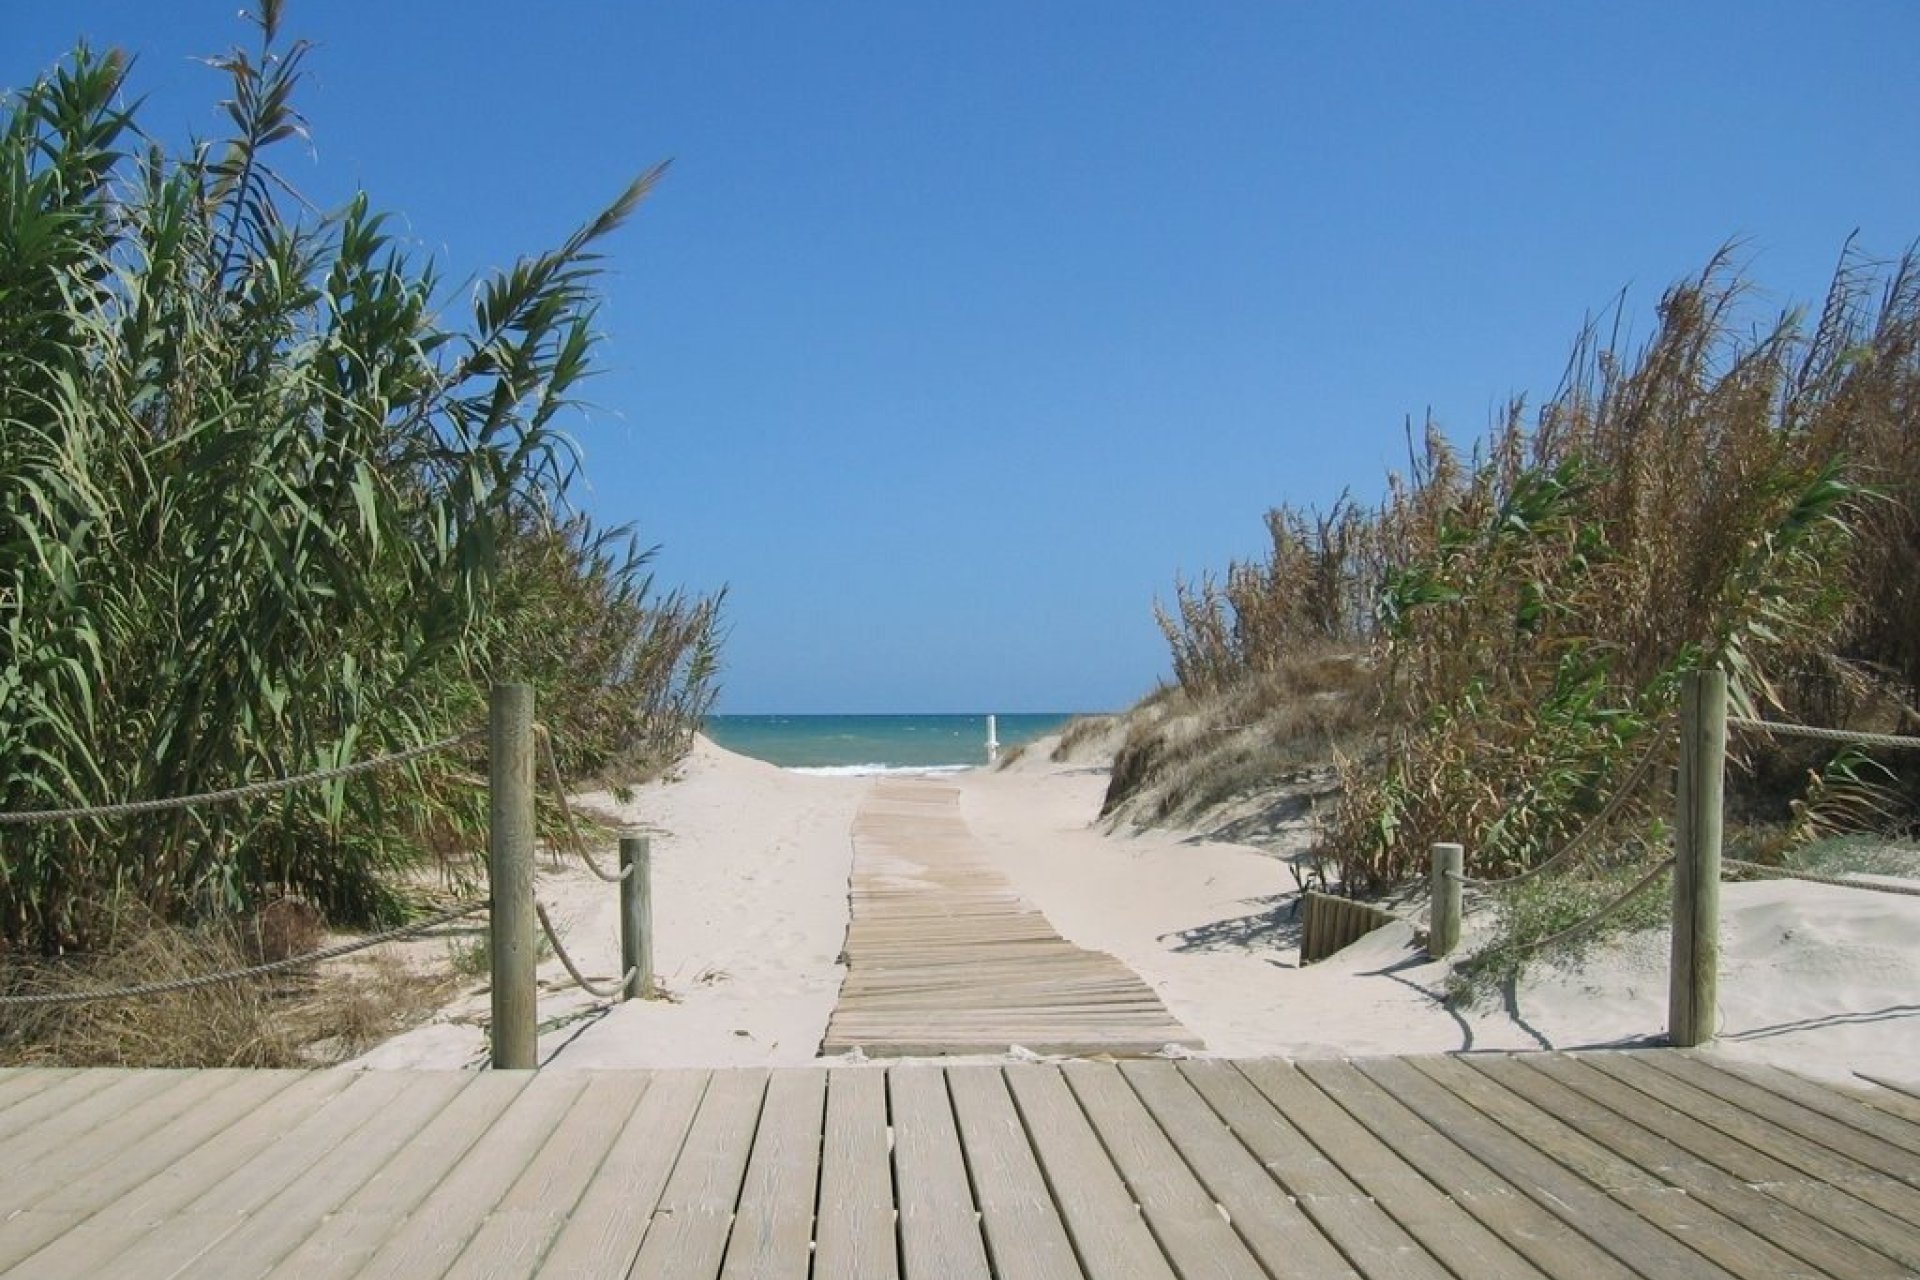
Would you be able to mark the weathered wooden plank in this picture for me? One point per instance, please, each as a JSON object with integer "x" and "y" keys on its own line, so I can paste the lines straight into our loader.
{"x": 773, "y": 1226}
{"x": 261, "y": 1239}
{"x": 1745, "y": 1144}
{"x": 1871, "y": 1147}
{"x": 1744, "y": 1230}
{"x": 943, "y": 957}
{"x": 173, "y": 1244}
{"x": 1849, "y": 1107}
{"x": 1109, "y": 1236}
{"x": 342, "y": 1243}
{"x": 688, "y": 1236}
{"x": 516, "y": 1233}
{"x": 1350, "y": 1219}
{"x": 1279, "y": 1234}
{"x": 1454, "y": 1238}
{"x": 1182, "y": 1216}
{"x": 66, "y": 1128}
{"x": 603, "y": 1234}
{"x": 427, "y": 1242}
{"x": 70, "y": 1197}
{"x": 939, "y": 1227}
{"x": 855, "y": 1232}
{"x": 1025, "y": 1238}
{"x": 68, "y": 1093}
{"x": 92, "y": 1237}
{"x": 1519, "y": 1194}
{"x": 1702, "y": 1160}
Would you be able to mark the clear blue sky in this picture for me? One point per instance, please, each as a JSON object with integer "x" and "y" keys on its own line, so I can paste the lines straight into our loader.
{"x": 958, "y": 330}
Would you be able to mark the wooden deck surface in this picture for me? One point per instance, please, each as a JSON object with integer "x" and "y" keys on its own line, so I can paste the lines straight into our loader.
{"x": 1653, "y": 1164}
{"x": 944, "y": 957}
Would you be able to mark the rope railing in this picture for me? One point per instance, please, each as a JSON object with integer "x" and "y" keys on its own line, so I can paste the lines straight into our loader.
{"x": 28, "y": 817}
{"x": 1856, "y": 737}
{"x": 1630, "y": 784}
{"x": 1601, "y": 914}
{"x": 169, "y": 986}
{"x": 579, "y": 845}
{"x": 1814, "y": 877}
{"x": 573, "y": 970}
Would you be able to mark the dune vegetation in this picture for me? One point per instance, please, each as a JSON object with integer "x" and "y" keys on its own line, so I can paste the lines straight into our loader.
{"x": 273, "y": 504}
{"x": 1490, "y": 651}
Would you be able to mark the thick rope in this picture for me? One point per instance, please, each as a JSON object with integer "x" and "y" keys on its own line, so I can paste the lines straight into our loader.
{"x": 1854, "y": 736}
{"x": 253, "y": 971}
{"x": 267, "y": 787}
{"x": 1620, "y": 796}
{"x": 1640, "y": 886}
{"x": 1788, "y": 873}
{"x": 573, "y": 970}
{"x": 566, "y": 811}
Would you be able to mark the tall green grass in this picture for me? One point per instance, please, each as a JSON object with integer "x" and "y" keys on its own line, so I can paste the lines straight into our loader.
{"x": 1734, "y": 494}
{"x": 266, "y": 511}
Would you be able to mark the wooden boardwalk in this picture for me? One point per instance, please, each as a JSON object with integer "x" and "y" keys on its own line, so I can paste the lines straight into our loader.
{"x": 1651, "y": 1164}
{"x": 944, "y": 957}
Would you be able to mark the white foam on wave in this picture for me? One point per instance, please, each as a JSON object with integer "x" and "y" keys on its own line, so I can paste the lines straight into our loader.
{"x": 874, "y": 770}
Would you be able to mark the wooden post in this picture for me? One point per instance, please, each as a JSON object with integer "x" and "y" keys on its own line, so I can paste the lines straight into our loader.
{"x": 1693, "y": 981}
{"x": 510, "y": 868}
{"x": 993, "y": 740}
{"x": 636, "y": 916}
{"x": 1443, "y": 924}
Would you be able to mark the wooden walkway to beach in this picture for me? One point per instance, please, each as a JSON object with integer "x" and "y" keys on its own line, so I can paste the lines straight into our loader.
{"x": 1649, "y": 1164}
{"x": 944, "y": 957}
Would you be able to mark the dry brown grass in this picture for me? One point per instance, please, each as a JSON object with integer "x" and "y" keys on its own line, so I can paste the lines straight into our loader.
{"x": 1731, "y": 494}
{"x": 298, "y": 1019}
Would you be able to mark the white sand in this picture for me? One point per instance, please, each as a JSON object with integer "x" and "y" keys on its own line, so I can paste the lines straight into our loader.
{"x": 750, "y": 882}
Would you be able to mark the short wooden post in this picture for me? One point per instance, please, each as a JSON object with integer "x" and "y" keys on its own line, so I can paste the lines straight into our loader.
{"x": 1443, "y": 924}
{"x": 510, "y": 868}
{"x": 636, "y": 916}
{"x": 1694, "y": 979}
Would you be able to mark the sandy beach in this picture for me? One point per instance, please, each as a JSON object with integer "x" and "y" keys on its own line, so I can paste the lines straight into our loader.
{"x": 751, "y": 867}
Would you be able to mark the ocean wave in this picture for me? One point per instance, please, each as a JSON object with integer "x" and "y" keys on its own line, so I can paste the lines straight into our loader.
{"x": 874, "y": 770}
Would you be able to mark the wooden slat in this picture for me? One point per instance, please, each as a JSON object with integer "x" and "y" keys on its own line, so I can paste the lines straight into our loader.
{"x": 855, "y": 1228}
{"x": 1574, "y": 1166}
{"x": 1698, "y": 1158}
{"x": 1741, "y": 1228}
{"x": 1350, "y": 1219}
{"x": 1179, "y": 1212}
{"x": 1025, "y": 1238}
{"x": 260, "y": 1240}
{"x": 773, "y": 1227}
{"x": 1446, "y": 1231}
{"x": 1533, "y": 1204}
{"x": 943, "y": 957}
{"x": 1108, "y": 1234}
{"x": 939, "y": 1230}
{"x": 1280, "y": 1235}
{"x": 70, "y": 1197}
{"x": 1871, "y": 1149}
{"x": 516, "y": 1234}
{"x": 342, "y": 1243}
{"x": 688, "y": 1235}
{"x": 173, "y": 1244}
{"x": 1656, "y": 1179}
{"x": 603, "y": 1234}
{"x": 1849, "y": 1107}
{"x": 119, "y": 1222}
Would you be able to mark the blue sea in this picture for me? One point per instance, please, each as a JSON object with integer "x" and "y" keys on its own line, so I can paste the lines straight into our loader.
{"x": 875, "y": 744}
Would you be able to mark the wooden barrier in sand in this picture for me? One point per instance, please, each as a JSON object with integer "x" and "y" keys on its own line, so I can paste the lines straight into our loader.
{"x": 1331, "y": 922}
{"x": 1693, "y": 971}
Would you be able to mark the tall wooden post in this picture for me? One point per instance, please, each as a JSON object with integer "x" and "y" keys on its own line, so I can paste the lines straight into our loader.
{"x": 1694, "y": 978}
{"x": 510, "y": 867}
{"x": 636, "y": 916}
{"x": 1443, "y": 924}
